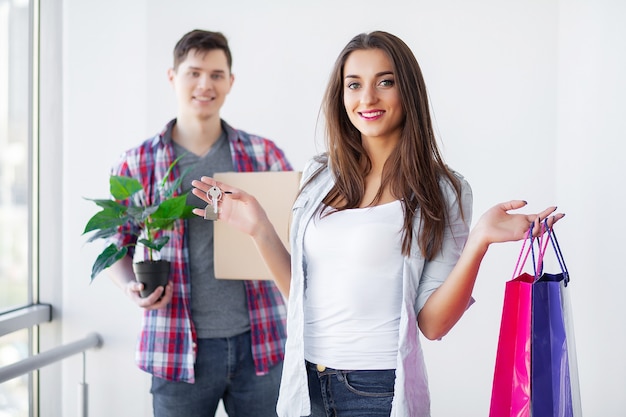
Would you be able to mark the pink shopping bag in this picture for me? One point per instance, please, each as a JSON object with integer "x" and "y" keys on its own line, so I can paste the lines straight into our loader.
{"x": 510, "y": 395}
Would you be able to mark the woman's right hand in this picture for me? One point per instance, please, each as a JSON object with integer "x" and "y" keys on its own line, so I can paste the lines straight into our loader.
{"x": 243, "y": 212}
{"x": 236, "y": 207}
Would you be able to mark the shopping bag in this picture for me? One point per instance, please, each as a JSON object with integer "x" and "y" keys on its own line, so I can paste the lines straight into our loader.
{"x": 536, "y": 370}
{"x": 554, "y": 376}
{"x": 511, "y": 392}
{"x": 550, "y": 381}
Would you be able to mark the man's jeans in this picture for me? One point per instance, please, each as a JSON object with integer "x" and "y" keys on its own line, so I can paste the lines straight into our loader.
{"x": 336, "y": 393}
{"x": 224, "y": 370}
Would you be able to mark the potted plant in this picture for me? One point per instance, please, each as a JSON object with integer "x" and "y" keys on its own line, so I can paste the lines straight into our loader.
{"x": 151, "y": 219}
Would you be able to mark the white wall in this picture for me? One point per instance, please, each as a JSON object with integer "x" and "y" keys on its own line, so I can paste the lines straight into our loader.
{"x": 590, "y": 186}
{"x": 527, "y": 99}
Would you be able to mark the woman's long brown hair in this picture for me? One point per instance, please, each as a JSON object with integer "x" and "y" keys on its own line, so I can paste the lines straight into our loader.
{"x": 413, "y": 170}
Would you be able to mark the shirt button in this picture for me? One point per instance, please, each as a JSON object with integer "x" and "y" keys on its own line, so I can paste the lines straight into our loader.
{"x": 320, "y": 368}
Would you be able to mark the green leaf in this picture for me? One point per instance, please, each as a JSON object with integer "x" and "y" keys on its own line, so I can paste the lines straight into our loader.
{"x": 185, "y": 212}
{"x": 188, "y": 212}
{"x": 105, "y": 219}
{"x": 173, "y": 208}
{"x": 102, "y": 234}
{"x": 108, "y": 257}
{"x": 169, "y": 170}
{"x": 169, "y": 192}
{"x": 108, "y": 204}
{"x": 161, "y": 224}
{"x": 169, "y": 211}
{"x": 156, "y": 244}
{"x": 124, "y": 187}
{"x": 141, "y": 214}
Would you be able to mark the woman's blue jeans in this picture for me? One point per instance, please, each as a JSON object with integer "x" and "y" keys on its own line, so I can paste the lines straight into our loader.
{"x": 224, "y": 370}
{"x": 337, "y": 393}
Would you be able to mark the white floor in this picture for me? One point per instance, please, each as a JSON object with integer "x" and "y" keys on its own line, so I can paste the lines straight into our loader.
{"x": 220, "y": 411}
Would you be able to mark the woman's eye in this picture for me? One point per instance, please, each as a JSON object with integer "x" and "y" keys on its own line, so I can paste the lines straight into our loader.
{"x": 387, "y": 83}
{"x": 353, "y": 86}
{"x": 195, "y": 74}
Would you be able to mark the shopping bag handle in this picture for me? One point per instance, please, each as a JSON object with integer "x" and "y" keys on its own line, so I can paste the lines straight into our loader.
{"x": 551, "y": 238}
{"x": 524, "y": 252}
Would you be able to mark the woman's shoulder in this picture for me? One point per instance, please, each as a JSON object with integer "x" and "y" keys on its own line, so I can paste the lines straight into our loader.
{"x": 314, "y": 165}
{"x": 457, "y": 191}
{"x": 456, "y": 181}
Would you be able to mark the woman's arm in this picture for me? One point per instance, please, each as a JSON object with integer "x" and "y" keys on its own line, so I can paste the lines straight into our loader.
{"x": 242, "y": 211}
{"x": 447, "y": 304}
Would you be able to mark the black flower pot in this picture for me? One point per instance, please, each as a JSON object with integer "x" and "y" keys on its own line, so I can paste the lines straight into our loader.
{"x": 152, "y": 274}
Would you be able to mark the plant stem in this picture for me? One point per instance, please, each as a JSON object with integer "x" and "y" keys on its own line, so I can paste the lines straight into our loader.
{"x": 150, "y": 237}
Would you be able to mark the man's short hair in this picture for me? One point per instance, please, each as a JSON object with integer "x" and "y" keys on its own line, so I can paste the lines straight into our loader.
{"x": 201, "y": 41}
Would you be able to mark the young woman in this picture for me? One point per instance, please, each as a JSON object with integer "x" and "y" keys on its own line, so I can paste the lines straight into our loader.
{"x": 380, "y": 243}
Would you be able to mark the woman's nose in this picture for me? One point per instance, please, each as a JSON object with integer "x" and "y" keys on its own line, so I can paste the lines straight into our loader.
{"x": 368, "y": 95}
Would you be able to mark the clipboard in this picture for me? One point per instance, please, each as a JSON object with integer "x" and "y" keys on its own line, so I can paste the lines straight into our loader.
{"x": 235, "y": 254}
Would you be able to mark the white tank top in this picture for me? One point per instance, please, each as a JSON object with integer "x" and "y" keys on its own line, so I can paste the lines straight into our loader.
{"x": 353, "y": 287}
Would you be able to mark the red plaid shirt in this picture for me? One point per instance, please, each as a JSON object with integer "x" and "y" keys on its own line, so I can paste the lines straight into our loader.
{"x": 167, "y": 344}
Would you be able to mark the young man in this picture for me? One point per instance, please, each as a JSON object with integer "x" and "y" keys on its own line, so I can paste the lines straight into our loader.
{"x": 204, "y": 339}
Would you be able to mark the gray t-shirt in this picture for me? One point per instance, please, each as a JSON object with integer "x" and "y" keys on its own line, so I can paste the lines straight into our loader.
{"x": 219, "y": 307}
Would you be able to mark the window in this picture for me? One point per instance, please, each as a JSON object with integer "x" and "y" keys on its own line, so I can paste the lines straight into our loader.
{"x": 14, "y": 152}
{"x": 15, "y": 191}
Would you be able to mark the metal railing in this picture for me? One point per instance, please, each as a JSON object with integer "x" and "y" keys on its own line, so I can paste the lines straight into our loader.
{"x": 32, "y": 316}
{"x": 92, "y": 340}
{"x": 22, "y": 318}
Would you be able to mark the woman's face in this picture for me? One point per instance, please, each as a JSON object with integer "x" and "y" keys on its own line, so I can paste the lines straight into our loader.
{"x": 371, "y": 97}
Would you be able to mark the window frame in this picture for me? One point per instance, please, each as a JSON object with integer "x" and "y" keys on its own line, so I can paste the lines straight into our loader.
{"x": 33, "y": 314}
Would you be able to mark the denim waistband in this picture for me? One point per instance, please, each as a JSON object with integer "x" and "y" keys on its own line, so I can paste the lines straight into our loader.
{"x": 321, "y": 369}
{"x": 324, "y": 370}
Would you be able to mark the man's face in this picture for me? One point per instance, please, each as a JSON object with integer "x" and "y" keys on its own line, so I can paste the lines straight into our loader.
{"x": 201, "y": 83}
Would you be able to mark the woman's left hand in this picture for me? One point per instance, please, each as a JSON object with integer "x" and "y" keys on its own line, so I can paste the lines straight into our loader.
{"x": 498, "y": 225}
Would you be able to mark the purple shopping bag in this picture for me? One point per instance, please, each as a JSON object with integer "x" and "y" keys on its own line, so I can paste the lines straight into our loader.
{"x": 553, "y": 392}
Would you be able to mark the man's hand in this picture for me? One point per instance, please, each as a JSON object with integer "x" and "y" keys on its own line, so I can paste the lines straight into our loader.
{"x": 158, "y": 299}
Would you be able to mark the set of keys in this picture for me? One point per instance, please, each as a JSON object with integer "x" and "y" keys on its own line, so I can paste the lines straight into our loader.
{"x": 214, "y": 194}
